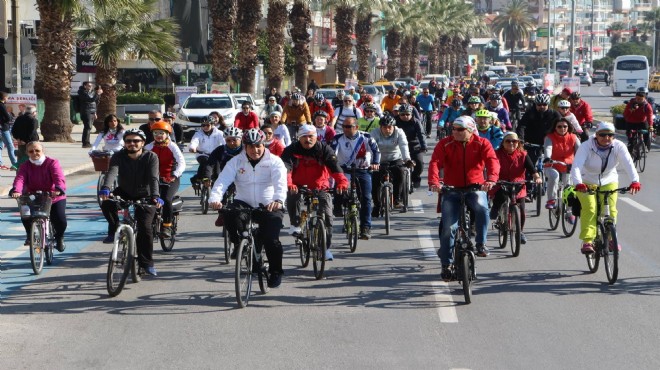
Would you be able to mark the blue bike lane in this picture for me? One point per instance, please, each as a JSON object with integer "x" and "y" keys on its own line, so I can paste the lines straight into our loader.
{"x": 86, "y": 227}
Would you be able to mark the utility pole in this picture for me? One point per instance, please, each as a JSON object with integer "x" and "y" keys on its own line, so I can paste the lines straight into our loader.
{"x": 572, "y": 41}
{"x": 16, "y": 36}
{"x": 591, "y": 41}
{"x": 549, "y": 29}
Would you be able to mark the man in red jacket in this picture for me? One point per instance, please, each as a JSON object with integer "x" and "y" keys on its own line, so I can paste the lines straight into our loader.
{"x": 639, "y": 116}
{"x": 582, "y": 111}
{"x": 463, "y": 156}
{"x": 247, "y": 119}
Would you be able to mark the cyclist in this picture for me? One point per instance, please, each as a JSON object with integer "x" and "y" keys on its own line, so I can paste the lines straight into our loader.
{"x": 514, "y": 166}
{"x": 217, "y": 120}
{"x": 280, "y": 131}
{"x": 582, "y": 111}
{"x": 454, "y": 111}
{"x": 203, "y": 143}
{"x": 560, "y": 145}
{"x": 247, "y": 119}
{"x": 389, "y": 101}
{"x": 270, "y": 142}
{"x": 154, "y": 117}
{"x": 564, "y": 94}
{"x": 260, "y": 179}
{"x": 595, "y": 165}
{"x": 416, "y": 141}
{"x": 462, "y": 157}
{"x": 136, "y": 172}
{"x": 345, "y": 111}
{"x": 473, "y": 105}
{"x": 219, "y": 158}
{"x": 320, "y": 104}
{"x": 516, "y": 101}
{"x": 427, "y": 107}
{"x": 112, "y": 135}
{"x": 43, "y": 173}
{"x": 370, "y": 119}
{"x": 531, "y": 89}
{"x": 495, "y": 105}
{"x": 394, "y": 153}
{"x": 473, "y": 92}
{"x": 357, "y": 148}
{"x": 311, "y": 163}
{"x": 564, "y": 112}
{"x": 271, "y": 107}
{"x": 368, "y": 100}
{"x": 296, "y": 113}
{"x": 537, "y": 121}
{"x": 177, "y": 129}
{"x": 324, "y": 132}
{"x": 639, "y": 116}
{"x": 171, "y": 165}
{"x": 338, "y": 100}
{"x": 487, "y": 130}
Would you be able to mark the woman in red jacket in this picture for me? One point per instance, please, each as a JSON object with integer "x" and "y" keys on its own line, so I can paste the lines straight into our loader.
{"x": 561, "y": 143}
{"x": 514, "y": 164}
{"x": 272, "y": 144}
{"x": 247, "y": 119}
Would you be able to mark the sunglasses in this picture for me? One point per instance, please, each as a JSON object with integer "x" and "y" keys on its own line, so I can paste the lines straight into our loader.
{"x": 541, "y": 105}
{"x": 606, "y": 135}
{"x": 132, "y": 141}
{"x": 268, "y": 133}
{"x": 155, "y": 119}
{"x": 459, "y": 129}
{"x": 160, "y": 133}
{"x": 564, "y": 108}
{"x": 640, "y": 95}
{"x": 404, "y": 114}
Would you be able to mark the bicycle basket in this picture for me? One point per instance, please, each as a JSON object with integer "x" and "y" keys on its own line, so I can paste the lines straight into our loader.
{"x": 101, "y": 163}
{"x": 34, "y": 205}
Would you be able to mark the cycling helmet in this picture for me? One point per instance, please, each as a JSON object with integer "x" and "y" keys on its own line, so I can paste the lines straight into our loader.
{"x": 457, "y": 103}
{"x": 320, "y": 113}
{"x": 575, "y": 95}
{"x": 387, "y": 120}
{"x": 514, "y": 83}
{"x": 369, "y": 106}
{"x": 161, "y": 126}
{"x": 319, "y": 97}
{"x": 368, "y": 98}
{"x": 483, "y": 113}
{"x": 254, "y": 136}
{"x": 495, "y": 97}
{"x": 474, "y": 99}
{"x": 135, "y": 131}
{"x": 542, "y": 99}
{"x": 465, "y": 122}
{"x": 169, "y": 115}
{"x": 491, "y": 87}
{"x": 529, "y": 84}
{"x": 296, "y": 96}
{"x": 642, "y": 90}
{"x": 406, "y": 108}
{"x": 564, "y": 104}
{"x": 341, "y": 92}
{"x": 234, "y": 132}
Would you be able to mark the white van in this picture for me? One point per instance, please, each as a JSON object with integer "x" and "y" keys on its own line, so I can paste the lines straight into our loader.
{"x": 630, "y": 73}
{"x": 500, "y": 70}
{"x": 438, "y": 78}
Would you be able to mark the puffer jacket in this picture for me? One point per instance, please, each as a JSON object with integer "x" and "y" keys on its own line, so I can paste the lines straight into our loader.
{"x": 588, "y": 165}
{"x": 170, "y": 159}
{"x": 312, "y": 167}
{"x": 205, "y": 143}
{"x": 299, "y": 113}
{"x": 463, "y": 162}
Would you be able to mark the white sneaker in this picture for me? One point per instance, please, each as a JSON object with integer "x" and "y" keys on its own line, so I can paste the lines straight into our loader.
{"x": 293, "y": 230}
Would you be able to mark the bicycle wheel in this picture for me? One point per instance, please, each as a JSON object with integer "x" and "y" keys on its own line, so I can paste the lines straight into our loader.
{"x": 262, "y": 274}
{"x": 567, "y": 227}
{"x": 352, "y": 232}
{"x": 405, "y": 194}
{"x": 50, "y": 244}
{"x": 119, "y": 264}
{"x": 99, "y": 184}
{"x": 243, "y": 276}
{"x": 302, "y": 241}
{"x": 205, "y": 200}
{"x": 318, "y": 248}
{"x": 514, "y": 231}
{"x": 539, "y": 195}
{"x": 37, "y": 247}
{"x": 554, "y": 214}
{"x": 593, "y": 259}
{"x": 386, "y": 206}
{"x": 225, "y": 237}
{"x": 611, "y": 253}
{"x": 168, "y": 243}
{"x": 136, "y": 275}
{"x": 641, "y": 162}
{"x": 505, "y": 224}
{"x": 466, "y": 279}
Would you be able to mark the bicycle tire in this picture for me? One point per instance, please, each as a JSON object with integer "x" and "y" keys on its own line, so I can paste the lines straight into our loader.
{"x": 641, "y": 164}
{"x": 243, "y": 273}
{"x": 50, "y": 244}
{"x": 303, "y": 245}
{"x": 553, "y": 216}
{"x": 227, "y": 242}
{"x": 405, "y": 194}
{"x": 205, "y": 200}
{"x": 386, "y": 206}
{"x": 515, "y": 232}
{"x": 118, "y": 269}
{"x": 318, "y": 248}
{"x": 466, "y": 279}
{"x": 593, "y": 259}
{"x": 352, "y": 233}
{"x": 611, "y": 255}
{"x": 168, "y": 243}
{"x": 262, "y": 274}
{"x": 37, "y": 247}
{"x": 99, "y": 184}
{"x": 566, "y": 226}
{"x": 539, "y": 195}
{"x": 135, "y": 268}
{"x": 505, "y": 222}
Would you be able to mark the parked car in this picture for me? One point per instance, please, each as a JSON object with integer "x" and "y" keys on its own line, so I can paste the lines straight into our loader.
{"x": 332, "y": 86}
{"x": 505, "y": 83}
{"x": 241, "y": 97}
{"x": 328, "y": 94}
{"x": 523, "y": 80}
{"x": 538, "y": 78}
{"x": 409, "y": 81}
{"x": 598, "y": 76}
{"x": 199, "y": 106}
{"x": 654, "y": 83}
{"x": 492, "y": 77}
{"x": 585, "y": 78}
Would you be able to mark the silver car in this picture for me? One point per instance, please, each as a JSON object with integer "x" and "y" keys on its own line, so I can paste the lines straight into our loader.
{"x": 585, "y": 78}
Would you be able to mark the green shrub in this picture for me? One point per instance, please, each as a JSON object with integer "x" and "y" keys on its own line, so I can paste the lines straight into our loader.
{"x": 617, "y": 109}
{"x": 154, "y": 97}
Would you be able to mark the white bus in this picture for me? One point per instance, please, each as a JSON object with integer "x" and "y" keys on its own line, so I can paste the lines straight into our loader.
{"x": 630, "y": 73}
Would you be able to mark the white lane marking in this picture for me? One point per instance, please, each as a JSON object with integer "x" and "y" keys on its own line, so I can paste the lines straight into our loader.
{"x": 417, "y": 205}
{"x": 10, "y": 254}
{"x": 442, "y": 293}
{"x": 635, "y": 204}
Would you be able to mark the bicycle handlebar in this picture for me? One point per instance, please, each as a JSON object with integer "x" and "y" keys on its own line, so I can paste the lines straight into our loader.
{"x": 597, "y": 190}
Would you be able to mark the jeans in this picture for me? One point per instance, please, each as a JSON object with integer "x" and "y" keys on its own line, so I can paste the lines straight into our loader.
{"x": 145, "y": 239}
{"x": 364, "y": 179}
{"x": 88, "y": 120}
{"x": 9, "y": 143}
{"x": 451, "y": 202}
{"x": 396, "y": 169}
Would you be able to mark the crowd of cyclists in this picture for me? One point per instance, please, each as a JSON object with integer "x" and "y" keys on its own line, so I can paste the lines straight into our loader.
{"x": 312, "y": 143}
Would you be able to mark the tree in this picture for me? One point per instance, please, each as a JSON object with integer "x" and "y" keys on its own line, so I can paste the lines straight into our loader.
{"x": 652, "y": 19}
{"x": 603, "y": 63}
{"x": 616, "y": 29}
{"x": 344, "y": 25}
{"x": 392, "y": 23}
{"x": 248, "y": 16}
{"x": 120, "y": 29}
{"x": 630, "y": 48}
{"x": 363, "y": 31}
{"x": 515, "y": 23}
{"x": 301, "y": 19}
{"x": 276, "y": 21}
{"x": 54, "y": 70}
{"x": 223, "y": 20}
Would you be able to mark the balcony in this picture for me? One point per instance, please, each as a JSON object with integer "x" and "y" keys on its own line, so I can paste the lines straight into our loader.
{"x": 642, "y": 6}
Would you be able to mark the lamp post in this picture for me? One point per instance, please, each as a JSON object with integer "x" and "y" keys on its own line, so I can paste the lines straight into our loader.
{"x": 572, "y": 41}
{"x": 16, "y": 36}
{"x": 187, "y": 51}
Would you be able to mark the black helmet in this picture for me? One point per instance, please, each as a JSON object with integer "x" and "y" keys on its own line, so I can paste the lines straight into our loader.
{"x": 135, "y": 131}
{"x": 542, "y": 99}
{"x": 456, "y": 103}
{"x": 320, "y": 113}
{"x": 387, "y": 120}
{"x": 407, "y": 108}
{"x": 643, "y": 90}
{"x": 514, "y": 83}
{"x": 530, "y": 84}
{"x": 576, "y": 95}
{"x": 495, "y": 97}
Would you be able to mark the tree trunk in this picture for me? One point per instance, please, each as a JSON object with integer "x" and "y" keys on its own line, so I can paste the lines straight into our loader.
{"x": 405, "y": 55}
{"x": 433, "y": 58}
{"x": 54, "y": 70}
{"x": 249, "y": 14}
{"x": 106, "y": 78}
{"x": 223, "y": 15}
{"x": 363, "y": 36}
{"x": 301, "y": 19}
{"x": 344, "y": 26}
{"x": 443, "y": 49}
{"x": 276, "y": 21}
{"x": 393, "y": 41}
{"x": 414, "y": 56}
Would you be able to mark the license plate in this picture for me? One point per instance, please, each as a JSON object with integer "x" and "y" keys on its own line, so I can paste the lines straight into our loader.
{"x": 631, "y": 81}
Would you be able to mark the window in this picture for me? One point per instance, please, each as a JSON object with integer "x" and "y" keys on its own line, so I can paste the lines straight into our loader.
{"x": 631, "y": 65}
{"x": 208, "y": 103}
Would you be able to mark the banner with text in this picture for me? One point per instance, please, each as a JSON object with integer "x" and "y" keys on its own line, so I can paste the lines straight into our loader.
{"x": 183, "y": 92}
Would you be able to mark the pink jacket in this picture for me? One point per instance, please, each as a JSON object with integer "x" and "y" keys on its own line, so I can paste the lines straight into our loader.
{"x": 47, "y": 177}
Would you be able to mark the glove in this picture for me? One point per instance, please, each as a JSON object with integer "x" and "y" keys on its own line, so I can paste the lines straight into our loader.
{"x": 635, "y": 186}
{"x": 158, "y": 201}
{"x": 581, "y": 188}
{"x": 293, "y": 188}
{"x": 342, "y": 188}
{"x": 104, "y": 193}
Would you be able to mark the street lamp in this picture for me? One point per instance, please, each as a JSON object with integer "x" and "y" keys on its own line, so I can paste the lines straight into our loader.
{"x": 187, "y": 51}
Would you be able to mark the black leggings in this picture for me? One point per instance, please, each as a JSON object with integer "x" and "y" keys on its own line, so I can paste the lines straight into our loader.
{"x": 418, "y": 158}
{"x": 57, "y": 217}
{"x": 167, "y": 193}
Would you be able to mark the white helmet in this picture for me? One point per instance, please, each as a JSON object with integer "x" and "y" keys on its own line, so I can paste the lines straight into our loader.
{"x": 564, "y": 104}
{"x": 234, "y": 132}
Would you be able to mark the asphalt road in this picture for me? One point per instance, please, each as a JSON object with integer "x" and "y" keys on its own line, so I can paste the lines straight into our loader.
{"x": 382, "y": 307}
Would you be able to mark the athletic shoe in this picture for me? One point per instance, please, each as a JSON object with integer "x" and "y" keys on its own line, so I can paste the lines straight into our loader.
{"x": 446, "y": 274}
{"x": 551, "y": 204}
{"x": 294, "y": 230}
{"x": 482, "y": 250}
{"x": 151, "y": 271}
{"x": 587, "y": 248}
{"x": 570, "y": 218}
{"x": 109, "y": 239}
{"x": 365, "y": 234}
{"x": 523, "y": 238}
{"x": 611, "y": 246}
{"x": 274, "y": 280}
{"x": 59, "y": 245}
{"x": 328, "y": 255}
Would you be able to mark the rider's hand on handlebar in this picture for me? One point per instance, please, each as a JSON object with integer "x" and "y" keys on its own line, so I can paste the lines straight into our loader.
{"x": 410, "y": 164}
{"x": 581, "y": 188}
{"x": 537, "y": 178}
{"x": 192, "y": 150}
{"x": 375, "y": 167}
{"x": 635, "y": 187}
{"x": 341, "y": 189}
{"x": 216, "y": 205}
{"x": 273, "y": 206}
{"x": 487, "y": 185}
{"x": 435, "y": 188}
{"x": 293, "y": 189}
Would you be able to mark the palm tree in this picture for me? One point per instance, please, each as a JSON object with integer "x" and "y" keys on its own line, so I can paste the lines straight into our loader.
{"x": 300, "y": 19}
{"x": 363, "y": 33}
{"x": 54, "y": 70}
{"x": 515, "y": 23}
{"x": 392, "y": 23}
{"x": 652, "y": 18}
{"x": 223, "y": 20}
{"x": 248, "y": 16}
{"x": 119, "y": 29}
{"x": 616, "y": 29}
{"x": 276, "y": 22}
{"x": 344, "y": 26}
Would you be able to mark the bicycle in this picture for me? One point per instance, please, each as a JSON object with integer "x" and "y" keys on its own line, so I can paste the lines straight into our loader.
{"x": 385, "y": 196}
{"x": 536, "y": 191}
{"x": 251, "y": 258}
{"x": 36, "y": 207}
{"x": 562, "y": 211}
{"x": 508, "y": 218}
{"x": 463, "y": 269}
{"x": 200, "y": 187}
{"x": 311, "y": 240}
{"x": 351, "y": 210}
{"x": 606, "y": 244}
{"x": 407, "y": 186}
{"x": 101, "y": 160}
{"x": 123, "y": 257}
{"x": 639, "y": 149}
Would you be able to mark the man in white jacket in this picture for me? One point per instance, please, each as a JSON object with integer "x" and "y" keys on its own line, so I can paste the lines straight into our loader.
{"x": 203, "y": 143}
{"x": 260, "y": 179}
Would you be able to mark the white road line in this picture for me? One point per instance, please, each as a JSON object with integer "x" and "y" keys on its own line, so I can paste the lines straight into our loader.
{"x": 10, "y": 254}
{"x": 635, "y": 204}
{"x": 417, "y": 205}
{"x": 442, "y": 293}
